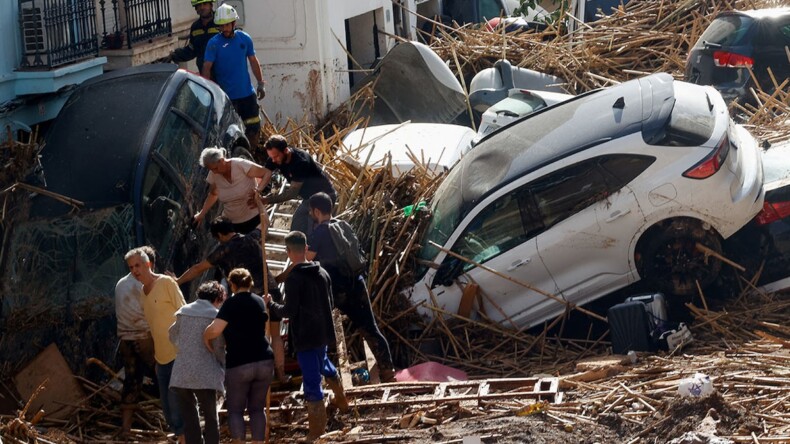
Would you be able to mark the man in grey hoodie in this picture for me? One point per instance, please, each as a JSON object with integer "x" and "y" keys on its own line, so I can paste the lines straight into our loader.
{"x": 197, "y": 373}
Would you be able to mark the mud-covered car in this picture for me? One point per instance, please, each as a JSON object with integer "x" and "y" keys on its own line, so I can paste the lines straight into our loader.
{"x": 120, "y": 167}
{"x": 592, "y": 194}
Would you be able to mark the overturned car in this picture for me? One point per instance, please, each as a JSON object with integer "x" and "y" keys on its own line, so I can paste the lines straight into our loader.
{"x": 642, "y": 180}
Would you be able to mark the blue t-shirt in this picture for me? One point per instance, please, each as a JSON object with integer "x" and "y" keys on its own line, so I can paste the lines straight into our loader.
{"x": 229, "y": 57}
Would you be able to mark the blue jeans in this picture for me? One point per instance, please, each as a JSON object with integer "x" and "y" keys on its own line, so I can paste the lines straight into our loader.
{"x": 314, "y": 363}
{"x": 246, "y": 388}
{"x": 169, "y": 398}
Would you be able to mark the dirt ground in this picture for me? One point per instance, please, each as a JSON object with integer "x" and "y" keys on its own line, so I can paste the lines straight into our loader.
{"x": 674, "y": 420}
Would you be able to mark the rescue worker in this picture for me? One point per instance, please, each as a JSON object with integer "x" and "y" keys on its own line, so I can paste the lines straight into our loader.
{"x": 227, "y": 54}
{"x": 201, "y": 31}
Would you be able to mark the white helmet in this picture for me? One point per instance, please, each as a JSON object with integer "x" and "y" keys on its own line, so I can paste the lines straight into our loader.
{"x": 225, "y": 14}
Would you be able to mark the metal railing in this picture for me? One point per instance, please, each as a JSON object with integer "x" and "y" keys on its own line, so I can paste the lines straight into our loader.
{"x": 56, "y": 32}
{"x": 126, "y": 22}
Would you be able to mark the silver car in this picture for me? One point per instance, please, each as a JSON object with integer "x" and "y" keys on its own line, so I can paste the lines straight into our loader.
{"x": 580, "y": 199}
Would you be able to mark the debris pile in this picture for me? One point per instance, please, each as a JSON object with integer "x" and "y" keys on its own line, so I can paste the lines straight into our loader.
{"x": 641, "y": 38}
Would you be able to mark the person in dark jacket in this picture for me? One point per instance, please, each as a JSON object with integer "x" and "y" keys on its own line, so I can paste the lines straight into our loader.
{"x": 349, "y": 293}
{"x": 198, "y": 373}
{"x": 308, "y": 306}
{"x": 305, "y": 176}
{"x": 201, "y": 31}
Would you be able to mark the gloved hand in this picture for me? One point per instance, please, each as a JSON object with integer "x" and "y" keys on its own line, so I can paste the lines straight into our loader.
{"x": 261, "y": 90}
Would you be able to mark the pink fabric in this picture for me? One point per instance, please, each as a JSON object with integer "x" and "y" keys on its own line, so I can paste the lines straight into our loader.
{"x": 431, "y": 371}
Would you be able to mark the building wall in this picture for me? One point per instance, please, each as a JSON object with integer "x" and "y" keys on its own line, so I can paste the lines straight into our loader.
{"x": 300, "y": 45}
{"x": 9, "y": 48}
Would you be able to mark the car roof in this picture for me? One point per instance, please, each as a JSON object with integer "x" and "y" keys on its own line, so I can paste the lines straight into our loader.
{"x": 94, "y": 144}
{"x": 760, "y": 14}
{"x": 559, "y": 131}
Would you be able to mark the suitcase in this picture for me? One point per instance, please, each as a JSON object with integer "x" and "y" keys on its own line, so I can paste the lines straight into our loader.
{"x": 656, "y": 308}
{"x": 630, "y": 327}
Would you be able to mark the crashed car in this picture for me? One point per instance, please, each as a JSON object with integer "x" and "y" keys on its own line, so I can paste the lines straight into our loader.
{"x": 435, "y": 146}
{"x": 123, "y": 157}
{"x": 769, "y": 232}
{"x": 739, "y": 47}
{"x": 580, "y": 199}
{"x": 519, "y": 103}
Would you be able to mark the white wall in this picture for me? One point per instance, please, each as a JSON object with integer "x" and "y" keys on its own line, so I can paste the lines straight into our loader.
{"x": 300, "y": 46}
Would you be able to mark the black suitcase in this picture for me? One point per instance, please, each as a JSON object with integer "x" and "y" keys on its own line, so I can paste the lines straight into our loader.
{"x": 630, "y": 327}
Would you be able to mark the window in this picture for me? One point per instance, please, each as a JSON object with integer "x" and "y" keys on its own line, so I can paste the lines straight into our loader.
{"x": 490, "y": 9}
{"x": 180, "y": 139}
{"x": 564, "y": 193}
{"x": 496, "y": 229}
{"x": 161, "y": 206}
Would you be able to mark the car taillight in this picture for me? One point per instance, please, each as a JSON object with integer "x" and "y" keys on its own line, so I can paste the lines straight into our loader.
{"x": 711, "y": 163}
{"x": 772, "y": 211}
{"x": 732, "y": 60}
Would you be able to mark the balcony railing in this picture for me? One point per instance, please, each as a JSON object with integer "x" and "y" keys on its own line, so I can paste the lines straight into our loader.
{"x": 126, "y": 22}
{"x": 56, "y": 32}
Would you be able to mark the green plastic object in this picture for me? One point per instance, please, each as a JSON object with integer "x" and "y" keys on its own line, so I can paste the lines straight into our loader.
{"x": 407, "y": 211}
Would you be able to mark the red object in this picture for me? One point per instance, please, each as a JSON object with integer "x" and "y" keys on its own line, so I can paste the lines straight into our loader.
{"x": 431, "y": 371}
{"x": 711, "y": 163}
{"x": 732, "y": 60}
{"x": 773, "y": 211}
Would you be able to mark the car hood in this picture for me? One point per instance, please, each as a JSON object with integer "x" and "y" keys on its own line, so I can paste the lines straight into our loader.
{"x": 412, "y": 83}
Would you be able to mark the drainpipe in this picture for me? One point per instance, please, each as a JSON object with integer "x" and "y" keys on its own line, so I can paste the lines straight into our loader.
{"x": 321, "y": 23}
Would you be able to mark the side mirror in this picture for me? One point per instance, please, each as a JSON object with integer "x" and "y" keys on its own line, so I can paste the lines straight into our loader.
{"x": 450, "y": 269}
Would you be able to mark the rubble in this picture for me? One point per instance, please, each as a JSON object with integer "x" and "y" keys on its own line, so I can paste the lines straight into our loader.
{"x": 742, "y": 342}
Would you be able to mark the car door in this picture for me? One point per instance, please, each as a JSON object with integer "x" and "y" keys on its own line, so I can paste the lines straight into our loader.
{"x": 170, "y": 187}
{"x": 591, "y": 216}
{"x": 498, "y": 233}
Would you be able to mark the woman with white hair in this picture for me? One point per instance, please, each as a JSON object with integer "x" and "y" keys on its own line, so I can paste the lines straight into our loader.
{"x": 232, "y": 182}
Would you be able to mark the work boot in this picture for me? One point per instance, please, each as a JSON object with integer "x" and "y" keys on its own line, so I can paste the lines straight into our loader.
{"x": 387, "y": 375}
{"x": 127, "y": 414}
{"x": 336, "y": 384}
{"x": 316, "y": 420}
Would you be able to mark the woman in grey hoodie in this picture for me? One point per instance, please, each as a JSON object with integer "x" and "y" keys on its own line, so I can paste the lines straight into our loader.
{"x": 198, "y": 374}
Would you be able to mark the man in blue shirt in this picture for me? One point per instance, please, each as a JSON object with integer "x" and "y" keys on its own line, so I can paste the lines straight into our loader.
{"x": 225, "y": 62}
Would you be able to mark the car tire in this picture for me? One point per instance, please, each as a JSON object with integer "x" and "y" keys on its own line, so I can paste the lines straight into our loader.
{"x": 671, "y": 262}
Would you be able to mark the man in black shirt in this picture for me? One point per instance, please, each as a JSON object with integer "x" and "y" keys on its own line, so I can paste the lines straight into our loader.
{"x": 349, "y": 292}
{"x": 201, "y": 31}
{"x": 305, "y": 176}
{"x": 241, "y": 251}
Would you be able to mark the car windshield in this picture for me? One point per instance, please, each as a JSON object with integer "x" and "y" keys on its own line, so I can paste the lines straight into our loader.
{"x": 728, "y": 30}
{"x": 445, "y": 216}
{"x": 520, "y": 104}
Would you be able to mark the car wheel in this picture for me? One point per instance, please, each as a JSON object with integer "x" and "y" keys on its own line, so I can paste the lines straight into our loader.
{"x": 672, "y": 262}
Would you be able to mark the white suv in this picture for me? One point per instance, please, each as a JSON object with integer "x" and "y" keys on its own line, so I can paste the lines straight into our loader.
{"x": 585, "y": 197}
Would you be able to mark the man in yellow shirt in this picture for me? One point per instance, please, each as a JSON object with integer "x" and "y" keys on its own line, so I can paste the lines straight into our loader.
{"x": 161, "y": 299}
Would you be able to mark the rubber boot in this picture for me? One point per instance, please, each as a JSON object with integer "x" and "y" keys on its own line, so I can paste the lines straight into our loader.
{"x": 336, "y": 384}
{"x": 316, "y": 420}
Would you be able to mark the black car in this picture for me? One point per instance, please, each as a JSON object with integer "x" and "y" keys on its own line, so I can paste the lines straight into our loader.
{"x": 739, "y": 41}
{"x": 767, "y": 237}
{"x": 126, "y": 146}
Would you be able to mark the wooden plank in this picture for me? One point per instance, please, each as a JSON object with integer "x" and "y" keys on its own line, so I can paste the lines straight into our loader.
{"x": 61, "y": 390}
{"x": 373, "y": 368}
{"x": 344, "y": 367}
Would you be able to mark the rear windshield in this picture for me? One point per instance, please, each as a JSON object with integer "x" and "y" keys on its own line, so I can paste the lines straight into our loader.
{"x": 520, "y": 104}
{"x": 728, "y": 30}
{"x": 691, "y": 122}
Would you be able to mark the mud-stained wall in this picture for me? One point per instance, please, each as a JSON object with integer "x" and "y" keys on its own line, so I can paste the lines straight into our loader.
{"x": 302, "y": 46}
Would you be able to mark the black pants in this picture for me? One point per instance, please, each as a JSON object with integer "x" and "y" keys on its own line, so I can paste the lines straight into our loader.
{"x": 355, "y": 303}
{"x": 188, "y": 402}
